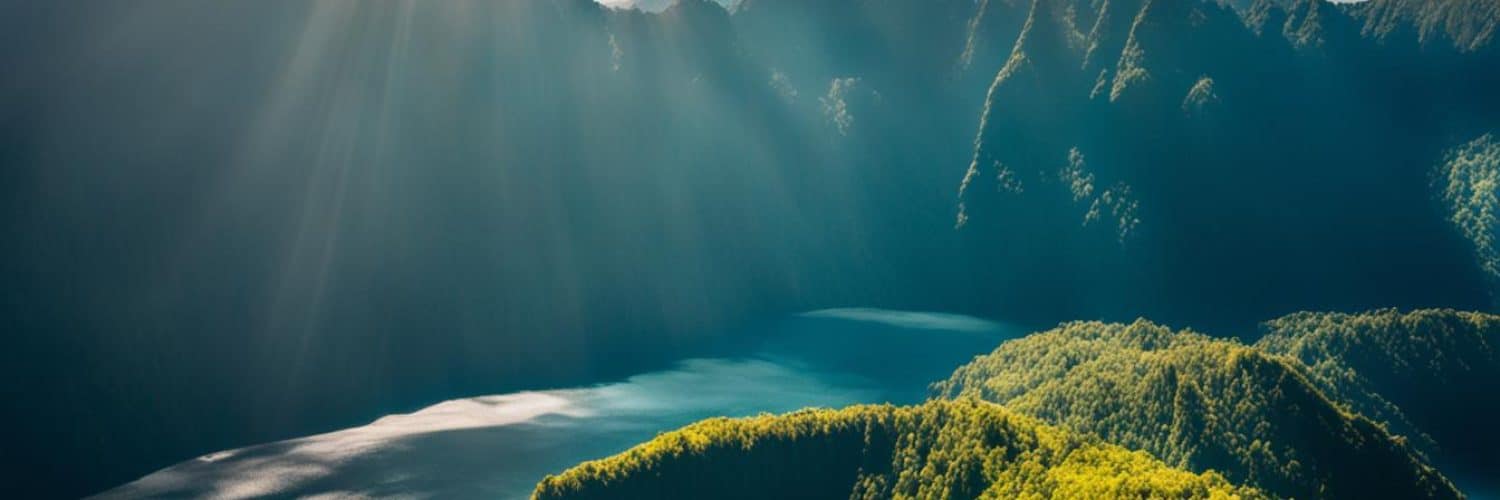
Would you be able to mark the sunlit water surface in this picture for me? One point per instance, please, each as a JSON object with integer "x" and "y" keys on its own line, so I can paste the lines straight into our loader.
{"x": 500, "y": 446}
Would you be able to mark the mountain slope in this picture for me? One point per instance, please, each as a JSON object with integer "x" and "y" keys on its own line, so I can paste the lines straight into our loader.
{"x": 1241, "y": 128}
{"x": 580, "y": 192}
{"x": 1469, "y": 25}
{"x": 1433, "y": 375}
{"x": 1198, "y": 403}
{"x": 960, "y": 449}
{"x": 1467, "y": 179}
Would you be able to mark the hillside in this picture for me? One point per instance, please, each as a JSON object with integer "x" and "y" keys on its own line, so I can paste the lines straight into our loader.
{"x": 408, "y": 201}
{"x": 1468, "y": 25}
{"x": 1467, "y": 178}
{"x": 1142, "y": 88}
{"x": 1433, "y": 375}
{"x": 1199, "y": 404}
{"x": 959, "y": 449}
{"x": 1323, "y": 406}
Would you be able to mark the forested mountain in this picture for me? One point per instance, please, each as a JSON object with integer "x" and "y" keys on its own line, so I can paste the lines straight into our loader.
{"x": 1199, "y": 404}
{"x": 282, "y": 217}
{"x": 1122, "y": 114}
{"x": 1432, "y": 375}
{"x": 959, "y": 449}
{"x": 1323, "y": 406}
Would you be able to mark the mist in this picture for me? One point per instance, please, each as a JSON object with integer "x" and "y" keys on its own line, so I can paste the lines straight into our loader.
{"x": 236, "y": 223}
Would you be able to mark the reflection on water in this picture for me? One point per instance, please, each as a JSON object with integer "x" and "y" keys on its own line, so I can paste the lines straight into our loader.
{"x": 499, "y": 446}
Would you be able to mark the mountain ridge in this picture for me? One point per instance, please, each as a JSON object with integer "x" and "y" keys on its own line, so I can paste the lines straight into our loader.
{"x": 582, "y": 192}
{"x": 1290, "y": 416}
{"x": 959, "y": 449}
{"x": 1406, "y": 371}
{"x": 1200, "y": 404}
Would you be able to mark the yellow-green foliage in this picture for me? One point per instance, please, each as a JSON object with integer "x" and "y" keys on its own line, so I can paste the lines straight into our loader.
{"x": 1200, "y": 96}
{"x": 1430, "y": 374}
{"x": 1470, "y": 25}
{"x": 1470, "y": 180}
{"x": 1281, "y": 418}
{"x": 1200, "y": 404}
{"x": 958, "y": 449}
{"x": 1131, "y": 69}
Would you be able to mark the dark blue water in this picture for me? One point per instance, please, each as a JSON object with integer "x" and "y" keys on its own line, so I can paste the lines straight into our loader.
{"x": 224, "y": 224}
{"x": 500, "y": 446}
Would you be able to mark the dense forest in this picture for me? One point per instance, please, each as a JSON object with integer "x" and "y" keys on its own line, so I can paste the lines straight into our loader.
{"x": 941, "y": 449}
{"x": 1432, "y": 376}
{"x": 279, "y": 218}
{"x": 1369, "y": 405}
{"x": 1200, "y": 404}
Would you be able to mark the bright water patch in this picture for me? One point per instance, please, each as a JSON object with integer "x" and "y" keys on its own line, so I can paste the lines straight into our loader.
{"x": 500, "y": 446}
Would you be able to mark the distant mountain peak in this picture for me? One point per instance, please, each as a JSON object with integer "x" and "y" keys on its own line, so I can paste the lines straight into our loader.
{"x": 1468, "y": 25}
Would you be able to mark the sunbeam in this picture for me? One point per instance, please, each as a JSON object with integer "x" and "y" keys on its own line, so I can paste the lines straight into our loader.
{"x": 228, "y": 224}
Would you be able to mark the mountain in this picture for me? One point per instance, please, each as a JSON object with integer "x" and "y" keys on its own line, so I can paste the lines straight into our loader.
{"x": 1432, "y": 375}
{"x": 941, "y": 449}
{"x": 1325, "y": 405}
{"x": 1468, "y": 25}
{"x": 1199, "y": 403}
{"x": 281, "y": 219}
{"x": 1466, "y": 179}
{"x": 1170, "y": 125}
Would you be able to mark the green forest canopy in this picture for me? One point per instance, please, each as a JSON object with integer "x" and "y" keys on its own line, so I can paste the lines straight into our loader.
{"x": 1054, "y": 414}
{"x": 1199, "y": 403}
{"x": 1407, "y": 371}
{"x": 941, "y": 449}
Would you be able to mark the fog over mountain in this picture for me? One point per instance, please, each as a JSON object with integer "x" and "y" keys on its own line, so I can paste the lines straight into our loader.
{"x": 231, "y": 223}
